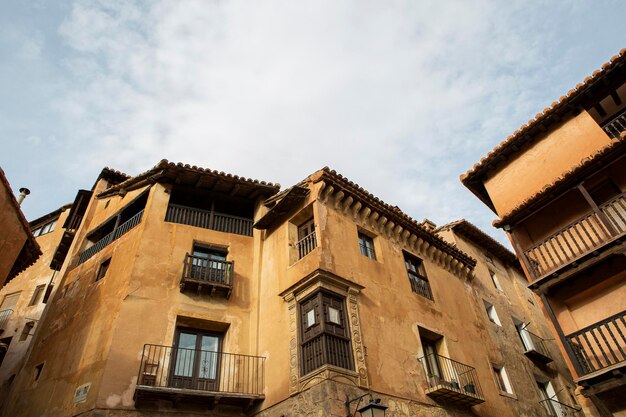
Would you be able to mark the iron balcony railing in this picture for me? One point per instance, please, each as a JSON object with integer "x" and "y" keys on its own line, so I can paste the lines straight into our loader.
{"x": 451, "y": 376}
{"x": 201, "y": 370}
{"x": 420, "y": 285}
{"x": 212, "y": 271}
{"x": 5, "y": 315}
{"x": 306, "y": 245}
{"x": 109, "y": 238}
{"x": 600, "y": 345}
{"x": 616, "y": 126}
{"x": 579, "y": 238}
{"x": 207, "y": 219}
{"x": 553, "y": 408}
{"x": 537, "y": 344}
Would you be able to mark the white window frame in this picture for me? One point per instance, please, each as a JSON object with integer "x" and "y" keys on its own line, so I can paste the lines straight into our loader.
{"x": 492, "y": 314}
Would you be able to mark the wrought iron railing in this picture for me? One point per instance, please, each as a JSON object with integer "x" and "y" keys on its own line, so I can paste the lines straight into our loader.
{"x": 207, "y": 219}
{"x": 203, "y": 269}
{"x": 578, "y": 238}
{"x": 420, "y": 285}
{"x": 538, "y": 344}
{"x": 5, "y": 315}
{"x": 201, "y": 370}
{"x": 109, "y": 238}
{"x": 306, "y": 245}
{"x": 616, "y": 126}
{"x": 326, "y": 349}
{"x": 555, "y": 408}
{"x": 600, "y": 345}
{"x": 448, "y": 374}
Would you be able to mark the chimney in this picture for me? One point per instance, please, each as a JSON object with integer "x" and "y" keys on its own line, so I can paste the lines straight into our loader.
{"x": 23, "y": 193}
{"x": 429, "y": 225}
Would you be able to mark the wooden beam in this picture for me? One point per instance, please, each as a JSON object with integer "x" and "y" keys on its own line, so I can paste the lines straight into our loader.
{"x": 616, "y": 98}
{"x": 598, "y": 107}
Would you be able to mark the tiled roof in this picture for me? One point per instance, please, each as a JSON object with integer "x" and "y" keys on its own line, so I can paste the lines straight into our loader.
{"x": 164, "y": 166}
{"x": 395, "y": 214}
{"x": 567, "y": 180}
{"x": 476, "y": 235}
{"x": 513, "y": 143}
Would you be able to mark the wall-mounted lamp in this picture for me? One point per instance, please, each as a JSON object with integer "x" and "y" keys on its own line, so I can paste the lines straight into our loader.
{"x": 372, "y": 409}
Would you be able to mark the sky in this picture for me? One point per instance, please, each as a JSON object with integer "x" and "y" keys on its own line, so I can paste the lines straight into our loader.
{"x": 400, "y": 97}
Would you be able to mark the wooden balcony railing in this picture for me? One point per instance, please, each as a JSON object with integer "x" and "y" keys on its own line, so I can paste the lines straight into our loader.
{"x": 306, "y": 245}
{"x": 326, "y": 349}
{"x": 201, "y": 273}
{"x": 579, "y": 238}
{"x": 109, "y": 238}
{"x": 420, "y": 285}
{"x": 5, "y": 315}
{"x": 451, "y": 381}
{"x": 207, "y": 219}
{"x": 616, "y": 126}
{"x": 179, "y": 371}
{"x": 600, "y": 345}
{"x": 555, "y": 408}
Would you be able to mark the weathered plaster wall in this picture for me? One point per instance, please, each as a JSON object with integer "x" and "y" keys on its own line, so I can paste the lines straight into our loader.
{"x": 549, "y": 157}
{"x": 13, "y": 234}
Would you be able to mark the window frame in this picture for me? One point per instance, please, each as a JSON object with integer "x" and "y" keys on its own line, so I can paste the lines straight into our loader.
{"x": 502, "y": 380}
{"x": 38, "y": 294}
{"x": 366, "y": 245}
{"x": 419, "y": 274}
{"x": 103, "y": 268}
{"x": 492, "y": 313}
{"x": 494, "y": 280}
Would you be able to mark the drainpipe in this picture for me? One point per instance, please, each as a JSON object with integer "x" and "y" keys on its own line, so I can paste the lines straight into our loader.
{"x": 23, "y": 193}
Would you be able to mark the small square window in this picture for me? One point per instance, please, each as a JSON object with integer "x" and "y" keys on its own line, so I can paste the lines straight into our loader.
{"x": 491, "y": 313}
{"x": 366, "y": 245}
{"x": 102, "y": 271}
{"x": 310, "y": 318}
{"x": 333, "y": 315}
{"x": 27, "y": 330}
{"x": 38, "y": 371}
{"x": 37, "y": 295}
{"x": 494, "y": 279}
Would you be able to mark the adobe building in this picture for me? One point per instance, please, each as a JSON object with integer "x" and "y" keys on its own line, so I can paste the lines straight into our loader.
{"x": 17, "y": 244}
{"x": 187, "y": 291}
{"x": 558, "y": 186}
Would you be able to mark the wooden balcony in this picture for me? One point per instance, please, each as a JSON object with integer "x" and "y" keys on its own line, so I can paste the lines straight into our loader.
{"x": 306, "y": 245}
{"x": 536, "y": 349}
{"x": 600, "y": 347}
{"x": 204, "y": 275}
{"x": 451, "y": 382}
{"x": 585, "y": 236}
{"x": 208, "y": 219}
{"x": 117, "y": 232}
{"x": 202, "y": 377}
{"x": 616, "y": 126}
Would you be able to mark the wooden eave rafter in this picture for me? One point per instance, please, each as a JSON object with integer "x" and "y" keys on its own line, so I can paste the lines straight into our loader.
{"x": 600, "y": 84}
{"x": 289, "y": 200}
{"x": 354, "y": 201}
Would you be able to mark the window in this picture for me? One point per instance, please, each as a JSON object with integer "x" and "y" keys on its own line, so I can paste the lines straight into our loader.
{"x": 196, "y": 359}
{"x": 209, "y": 263}
{"x": 102, "y": 270}
{"x": 489, "y": 259}
{"x": 431, "y": 343}
{"x": 417, "y": 276}
{"x": 491, "y": 313}
{"x": 502, "y": 379}
{"x": 27, "y": 330}
{"x": 307, "y": 241}
{"x": 366, "y": 245}
{"x": 37, "y": 295}
{"x": 549, "y": 399}
{"x": 494, "y": 279}
{"x": 324, "y": 335}
{"x": 10, "y": 300}
{"x": 46, "y": 228}
{"x": 4, "y": 347}
{"x": 38, "y": 371}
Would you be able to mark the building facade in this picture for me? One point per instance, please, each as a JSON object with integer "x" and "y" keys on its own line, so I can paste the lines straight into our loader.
{"x": 187, "y": 291}
{"x": 558, "y": 187}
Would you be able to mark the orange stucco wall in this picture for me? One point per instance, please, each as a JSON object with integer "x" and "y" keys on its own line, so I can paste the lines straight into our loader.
{"x": 12, "y": 235}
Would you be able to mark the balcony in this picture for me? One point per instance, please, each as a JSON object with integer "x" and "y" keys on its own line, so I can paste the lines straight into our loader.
{"x": 616, "y": 126}
{"x": 5, "y": 315}
{"x": 451, "y": 382}
{"x": 582, "y": 237}
{"x": 536, "y": 348}
{"x": 200, "y": 376}
{"x": 209, "y": 219}
{"x": 600, "y": 347}
{"x": 201, "y": 274}
{"x": 553, "y": 408}
{"x": 420, "y": 285}
{"x": 117, "y": 232}
{"x": 306, "y": 245}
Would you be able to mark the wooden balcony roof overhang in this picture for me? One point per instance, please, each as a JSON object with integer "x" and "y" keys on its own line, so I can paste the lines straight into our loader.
{"x": 179, "y": 173}
{"x": 585, "y": 95}
{"x": 612, "y": 153}
{"x": 391, "y": 221}
{"x": 482, "y": 239}
{"x": 281, "y": 205}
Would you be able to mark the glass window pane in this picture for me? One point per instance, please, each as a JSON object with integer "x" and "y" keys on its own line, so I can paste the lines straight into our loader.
{"x": 185, "y": 354}
{"x": 333, "y": 315}
{"x": 208, "y": 357}
{"x": 310, "y": 318}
